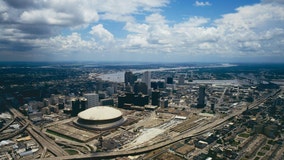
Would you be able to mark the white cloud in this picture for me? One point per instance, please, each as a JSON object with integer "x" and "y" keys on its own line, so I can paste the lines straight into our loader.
{"x": 46, "y": 16}
{"x": 101, "y": 33}
{"x": 251, "y": 30}
{"x": 202, "y": 4}
{"x": 136, "y": 27}
{"x": 72, "y": 42}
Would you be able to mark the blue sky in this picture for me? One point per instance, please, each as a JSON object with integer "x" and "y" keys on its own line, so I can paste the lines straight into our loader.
{"x": 142, "y": 30}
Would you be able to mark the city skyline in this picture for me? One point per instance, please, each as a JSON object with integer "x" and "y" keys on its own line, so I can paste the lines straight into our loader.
{"x": 142, "y": 31}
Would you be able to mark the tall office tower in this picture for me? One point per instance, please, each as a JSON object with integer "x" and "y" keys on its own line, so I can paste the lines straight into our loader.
{"x": 93, "y": 99}
{"x": 75, "y": 107}
{"x": 147, "y": 79}
{"x": 78, "y": 105}
{"x": 128, "y": 88}
{"x": 154, "y": 85}
{"x": 141, "y": 100}
{"x": 129, "y": 78}
{"x": 161, "y": 84}
{"x": 155, "y": 98}
{"x": 201, "y": 97}
{"x": 83, "y": 104}
{"x": 140, "y": 87}
{"x": 181, "y": 80}
{"x": 170, "y": 80}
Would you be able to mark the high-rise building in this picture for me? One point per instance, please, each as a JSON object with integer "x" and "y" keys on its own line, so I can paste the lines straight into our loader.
{"x": 155, "y": 98}
{"x": 140, "y": 87}
{"x": 141, "y": 100}
{"x": 93, "y": 99}
{"x": 78, "y": 105}
{"x": 129, "y": 78}
{"x": 201, "y": 97}
{"x": 181, "y": 80}
{"x": 75, "y": 107}
{"x": 132, "y": 99}
{"x": 83, "y": 103}
{"x": 170, "y": 80}
{"x": 146, "y": 78}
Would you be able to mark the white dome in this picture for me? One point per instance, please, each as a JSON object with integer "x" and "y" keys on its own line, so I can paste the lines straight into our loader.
{"x": 100, "y": 113}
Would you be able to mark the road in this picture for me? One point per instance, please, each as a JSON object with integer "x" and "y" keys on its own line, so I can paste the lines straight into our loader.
{"x": 6, "y": 126}
{"x": 221, "y": 98}
{"x": 192, "y": 133}
{"x": 44, "y": 141}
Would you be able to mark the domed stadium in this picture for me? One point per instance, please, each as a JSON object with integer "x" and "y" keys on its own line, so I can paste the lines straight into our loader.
{"x": 100, "y": 118}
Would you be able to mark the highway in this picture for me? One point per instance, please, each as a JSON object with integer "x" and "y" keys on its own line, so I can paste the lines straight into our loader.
{"x": 45, "y": 142}
{"x": 6, "y": 126}
{"x": 25, "y": 125}
{"x": 192, "y": 133}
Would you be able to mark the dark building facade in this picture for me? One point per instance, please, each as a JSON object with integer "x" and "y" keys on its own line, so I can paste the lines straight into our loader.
{"x": 133, "y": 99}
{"x": 140, "y": 87}
{"x": 170, "y": 80}
{"x": 129, "y": 78}
{"x": 78, "y": 105}
{"x": 201, "y": 97}
{"x": 107, "y": 102}
{"x": 155, "y": 98}
{"x": 158, "y": 85}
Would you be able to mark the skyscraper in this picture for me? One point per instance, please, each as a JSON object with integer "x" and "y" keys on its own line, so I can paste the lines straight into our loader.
{"x": 140, "y": 87}
{"x": 170, "y": 80}
{"x": 155, "y": 98}
{"x": 75, "y": 107}
{"x": 147, "y": 79}
{"x": 129, "y": 78}
{"x": 201, "y": 97}
{"x": 78, "y": 105}
{"x": 181, "y": 80}
{"x": 93, "y": 99}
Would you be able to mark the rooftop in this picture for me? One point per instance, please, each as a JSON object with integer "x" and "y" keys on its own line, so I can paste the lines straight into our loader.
{"x": 100, "y": 113}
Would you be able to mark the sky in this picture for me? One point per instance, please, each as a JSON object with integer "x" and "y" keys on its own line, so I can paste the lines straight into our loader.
{"x": 142, "y": 30}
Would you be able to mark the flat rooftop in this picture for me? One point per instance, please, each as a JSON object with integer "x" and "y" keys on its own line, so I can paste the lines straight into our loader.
{"x": 73, "y": 133}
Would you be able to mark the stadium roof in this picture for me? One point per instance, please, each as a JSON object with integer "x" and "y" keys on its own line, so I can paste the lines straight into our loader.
{"x": 100, "y": 113}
